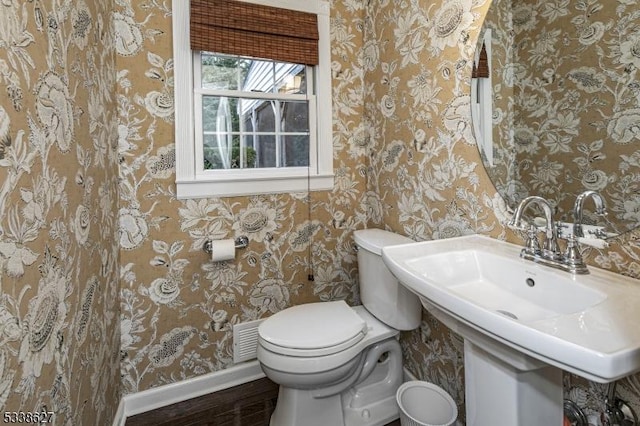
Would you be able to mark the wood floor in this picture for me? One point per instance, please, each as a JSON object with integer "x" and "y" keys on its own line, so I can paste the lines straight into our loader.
{"x": 250, "y": 404}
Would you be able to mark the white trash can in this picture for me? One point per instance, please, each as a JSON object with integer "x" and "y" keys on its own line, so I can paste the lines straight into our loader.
{"x": 425, "y": 404}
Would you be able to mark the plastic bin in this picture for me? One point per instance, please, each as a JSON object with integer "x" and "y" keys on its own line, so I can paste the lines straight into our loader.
{"x": 425, "y": 404}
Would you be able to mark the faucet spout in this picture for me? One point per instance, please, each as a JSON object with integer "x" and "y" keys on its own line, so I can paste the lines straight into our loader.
{"x": 516, "y": 220}
{"x": 578, "y": 207}
{"x": 551, "y": 242}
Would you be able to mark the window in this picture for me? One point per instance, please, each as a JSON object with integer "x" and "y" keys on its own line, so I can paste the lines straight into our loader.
{"x": 247, "y": 123}
{"x": 482, "y": 98}
{"x": 253, "y": 113}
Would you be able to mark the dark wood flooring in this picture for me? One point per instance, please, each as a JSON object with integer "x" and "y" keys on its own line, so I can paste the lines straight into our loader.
{"x": 250, "y": 404}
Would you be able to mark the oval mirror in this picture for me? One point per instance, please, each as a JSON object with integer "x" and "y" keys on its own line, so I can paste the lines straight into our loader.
{"x": 557, "y": 109}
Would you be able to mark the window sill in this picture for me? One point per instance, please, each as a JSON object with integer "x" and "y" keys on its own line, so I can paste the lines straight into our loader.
{"x": 234, "y": 186}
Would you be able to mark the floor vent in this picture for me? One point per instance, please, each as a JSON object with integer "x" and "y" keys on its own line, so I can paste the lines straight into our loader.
{"x": 245, "y": 341}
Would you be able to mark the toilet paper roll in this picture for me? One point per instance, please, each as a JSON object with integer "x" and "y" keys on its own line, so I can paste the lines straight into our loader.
{"x": 223, "y": 250}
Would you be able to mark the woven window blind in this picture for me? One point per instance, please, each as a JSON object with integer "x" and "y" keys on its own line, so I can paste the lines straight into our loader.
{"x": 247, "y": 29}
{"x": 482, "y": 70}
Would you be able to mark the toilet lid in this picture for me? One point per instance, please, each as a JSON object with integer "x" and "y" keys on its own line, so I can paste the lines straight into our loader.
{"x": 373, "y": 240}
{"x": 313, "y": 328}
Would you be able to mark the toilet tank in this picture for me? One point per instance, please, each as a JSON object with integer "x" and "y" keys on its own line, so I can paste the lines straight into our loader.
{"x": 380, "y": 292}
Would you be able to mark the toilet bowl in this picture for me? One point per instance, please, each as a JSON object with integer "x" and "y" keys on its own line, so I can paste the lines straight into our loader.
{"x": 339, "y": 365}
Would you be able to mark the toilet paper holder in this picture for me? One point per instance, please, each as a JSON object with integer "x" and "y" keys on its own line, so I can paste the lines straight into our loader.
{"x": 241, "y": 242}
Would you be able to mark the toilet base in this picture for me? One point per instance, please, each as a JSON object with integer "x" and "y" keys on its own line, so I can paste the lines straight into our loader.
{"x": 370, "y": 402}
{"x": 299, "y": 407}
{"x": 326, "y": 411}
{"x": 378, "y": 413}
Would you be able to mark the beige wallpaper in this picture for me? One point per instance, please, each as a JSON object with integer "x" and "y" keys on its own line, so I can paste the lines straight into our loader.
{"x": 572, "y": 105}
{"x": 177, "y": 307}
{"x": 429, "y": 176}
{"x": 405, "y": 159}
{"x": 59, "y": 333}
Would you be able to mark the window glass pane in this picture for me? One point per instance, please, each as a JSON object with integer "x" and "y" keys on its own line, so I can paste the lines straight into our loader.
{"x": 295, "y": 152}
{"x": 209, "y": 107}
{"x": 236, "y": 161}
{"x": 220, "y": 114}
{"x": 294, "y": 116}
{"x": 222, "y": 72}
{"x": 259, "y": 76}
{"x": 291, "y": 78}
{"x": 246, "y": 112}
{"x": 274, "y": 77}
{"x": 264, "y": 116}
{"x": 265, "y": 146}
{"x": 249, "y": 152}
{"x": 223, "y": 152}
{"x": 217, "y": 152}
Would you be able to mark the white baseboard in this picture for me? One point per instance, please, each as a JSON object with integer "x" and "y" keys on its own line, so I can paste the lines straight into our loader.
{"x": 151, "y": 399}
{"x": 161, "y": 396}
{"x": 120, "y": 418}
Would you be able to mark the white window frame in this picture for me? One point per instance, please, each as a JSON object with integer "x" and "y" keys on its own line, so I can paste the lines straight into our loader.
{"x": 194, "y": 183}
{"x": 482, "y": 102}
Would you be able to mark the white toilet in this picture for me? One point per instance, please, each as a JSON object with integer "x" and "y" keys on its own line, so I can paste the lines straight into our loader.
{"x": 339, "y": 365}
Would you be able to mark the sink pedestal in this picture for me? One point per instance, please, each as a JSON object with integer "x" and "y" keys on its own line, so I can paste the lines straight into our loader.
{"x": 503, "y": 386}
{"x": 528, "y": 393}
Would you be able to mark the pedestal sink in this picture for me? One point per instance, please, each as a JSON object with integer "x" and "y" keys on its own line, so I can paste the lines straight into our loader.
{"x": 522, "y": 324}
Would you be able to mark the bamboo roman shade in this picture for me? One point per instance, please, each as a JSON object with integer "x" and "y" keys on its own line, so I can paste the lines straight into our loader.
{"x": 482, "y": 70}
{"x": 247, "y": 29}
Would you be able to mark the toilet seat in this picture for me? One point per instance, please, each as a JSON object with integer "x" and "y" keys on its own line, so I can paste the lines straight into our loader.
{"x": 312, "y": 330}
{"x": 376, "y": 331}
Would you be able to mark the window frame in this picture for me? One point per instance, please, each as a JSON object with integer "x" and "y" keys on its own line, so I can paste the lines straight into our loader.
{"x": 194, "y": 182}
{"x": 482, "y": 102}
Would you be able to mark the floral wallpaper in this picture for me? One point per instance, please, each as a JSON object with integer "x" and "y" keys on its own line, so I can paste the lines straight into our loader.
{"x": 177, "y": 307}
{"x": 105, "y": 288}
{"x": 59, "y": 334}
{"x": 428, "y": 173}
{"x": 405, "y": 159}
{"x": 573, "y": 108}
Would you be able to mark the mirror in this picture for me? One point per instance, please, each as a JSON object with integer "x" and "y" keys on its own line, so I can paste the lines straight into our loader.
{"x": 563, "y": 108}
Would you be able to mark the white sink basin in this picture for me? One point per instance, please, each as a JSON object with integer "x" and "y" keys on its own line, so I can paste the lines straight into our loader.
{"x": 586, "y": 324}
{"x": 502, "y": 285}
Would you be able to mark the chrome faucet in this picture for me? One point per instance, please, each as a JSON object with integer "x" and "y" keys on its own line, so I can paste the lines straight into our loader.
{"x": 571, "y": 260}
{"x": 573, "y": 256}
{"x": 550, "y": 253}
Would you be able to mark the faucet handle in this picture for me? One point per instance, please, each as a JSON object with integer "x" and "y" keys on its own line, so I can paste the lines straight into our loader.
{"x": 573, "y": 257}
{"x": 532, "y": 245}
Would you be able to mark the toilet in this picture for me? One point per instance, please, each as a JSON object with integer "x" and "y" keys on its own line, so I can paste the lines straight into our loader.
{"x": 339, "y": 365}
